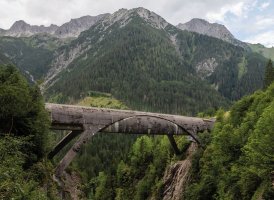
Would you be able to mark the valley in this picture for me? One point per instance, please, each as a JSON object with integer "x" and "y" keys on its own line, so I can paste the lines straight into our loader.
{"x": 133, "y": 59}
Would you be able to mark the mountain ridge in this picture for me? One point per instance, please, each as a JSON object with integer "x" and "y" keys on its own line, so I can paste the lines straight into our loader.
{"x": 216, "y": 30}
{"x": 69, "y": 29}
{"x": 160, "y": 56}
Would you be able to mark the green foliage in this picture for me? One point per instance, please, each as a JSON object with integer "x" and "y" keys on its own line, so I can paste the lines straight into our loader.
{"x": 102, "y": 102}
{"x": 259, "y": 149}
{"x": 269, "y": 74}
{"x": 103, "y": 191}
{"x": 140, "y": 175}
{"x": 266, "y": 52}
{"x": 23, "y": 139}
{"x": 31, "y": 55}
{"x": 22, "y": 111}
{"x": 239, "y": 159}
{"x": 4, "y": 59}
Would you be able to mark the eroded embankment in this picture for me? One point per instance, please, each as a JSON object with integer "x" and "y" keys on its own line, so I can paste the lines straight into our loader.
{"x": 177, "y": 176}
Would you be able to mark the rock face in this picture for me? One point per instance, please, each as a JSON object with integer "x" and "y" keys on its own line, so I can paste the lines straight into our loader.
{"x": 124, "y": 16}
{"x": 216, "y": 30}
{"x": 177, "y": 176}
{"x": 69, "y": 29}
{"x": 76, "y": 26}
{"x": 206, "y": 67}
{"x": 22, "y": 29}
{"x": 71, "y": 186}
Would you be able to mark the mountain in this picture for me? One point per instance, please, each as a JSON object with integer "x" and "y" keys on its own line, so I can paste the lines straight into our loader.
{"x": 69, "y": 29}
{"x": 150, "y": 64}
{"x": 76, "y": 26}
{"x": 4, "y": 59}
{"x": 211, "y": 29}
{"x": 32, "y": 55}
{"x": 130, "y": 55}
{"x": 141, "y": 60}
{"x": 261, "y": 49}
{"x": 22, "y": 29}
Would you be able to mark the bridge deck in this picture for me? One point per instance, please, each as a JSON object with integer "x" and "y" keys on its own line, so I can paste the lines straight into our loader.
{"x": 87, "y": 121}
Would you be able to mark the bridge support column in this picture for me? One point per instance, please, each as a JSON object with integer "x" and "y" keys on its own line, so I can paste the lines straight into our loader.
{"x": 173, "y": 144}
{"x": 85, "y": 136}
{"x": 70, "y": 136}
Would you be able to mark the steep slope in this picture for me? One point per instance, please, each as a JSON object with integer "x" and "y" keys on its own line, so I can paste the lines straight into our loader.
{"x": 230, "y": 69}
{"x": 238, "y": 161}
{"x": 211, "y": 29}
{"x": 32, "y": 55}
{"x": 22, "y": 29}
{"x": 137, "y": 56}
{"x": 131, "y": 56}
{"x": 4, "y": 59}
{"x": 70, "y": 29}
{"x": 74, "y": 27}
{"x": 261, "y": 49}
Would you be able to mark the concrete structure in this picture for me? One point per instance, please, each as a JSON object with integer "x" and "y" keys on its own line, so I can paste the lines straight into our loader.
{"x": 88, "y": 121}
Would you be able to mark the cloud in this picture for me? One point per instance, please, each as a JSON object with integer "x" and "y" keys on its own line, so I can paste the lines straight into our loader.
{"x": 264, "y": 5}
{"x": 263, "y": 22}
{"x": 61, "y": 11}
{"x": 265, "y": 38}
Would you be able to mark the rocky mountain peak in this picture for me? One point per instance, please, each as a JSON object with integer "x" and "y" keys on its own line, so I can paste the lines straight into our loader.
{"x": 70, "y": 29}
{"x": 75, "y": 26}
{"x": 124, "y": 16}
{"x": 216, "y": 30}
{"x": 204, "y": 27}
{"x": 18, "y": 25}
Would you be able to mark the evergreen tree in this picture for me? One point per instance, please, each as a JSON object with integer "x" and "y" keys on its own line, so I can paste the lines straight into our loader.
{"x": 23, "y": 139}
{"x": 269, "y": 74}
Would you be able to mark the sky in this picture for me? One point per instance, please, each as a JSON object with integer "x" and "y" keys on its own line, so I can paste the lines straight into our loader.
{"x": 248, "y": 20}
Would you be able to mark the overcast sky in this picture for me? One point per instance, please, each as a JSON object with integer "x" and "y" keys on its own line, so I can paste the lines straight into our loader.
{"x": 248, "y": 20}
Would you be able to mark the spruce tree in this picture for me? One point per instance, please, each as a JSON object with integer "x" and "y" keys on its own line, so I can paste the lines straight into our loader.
{"x": 269, "y": 74}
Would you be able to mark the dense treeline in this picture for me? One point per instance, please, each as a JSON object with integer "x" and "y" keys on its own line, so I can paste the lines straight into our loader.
{"x": 139, "y": 176}
{"x": 33, "y": 54}
{"x": 238, "y": 162}
{"x": 269, "y": 74}
{"x": 4, "y": 59}
{"x": 24, "y": 123}
{"x": 238, "y": 72}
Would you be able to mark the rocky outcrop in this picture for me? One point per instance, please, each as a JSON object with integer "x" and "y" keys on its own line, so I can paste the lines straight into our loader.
{"x": 22, "y": 29}
{"x": 70, "y": 186}
{"x": 206, "y": 67}
{"x": 76, "y": 26}
{"x": 177, "y": 176}
{"x": 124, "y": 16}
{"x": 216, "y": 30}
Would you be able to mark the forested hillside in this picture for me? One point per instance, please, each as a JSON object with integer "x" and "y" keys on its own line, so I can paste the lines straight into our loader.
{"x": 4, "y": 59}
{"x": 266, "y": 52}
{"x": 24, "y": 140}
{"x": 154, "y": 68}
{"x": 236, "y": 163}
{"x": 31, "y": 55}
{"x": 142, "y": 70}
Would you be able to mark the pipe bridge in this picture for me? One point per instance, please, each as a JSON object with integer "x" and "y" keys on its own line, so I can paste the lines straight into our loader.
{"x": 88, "y": 121}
